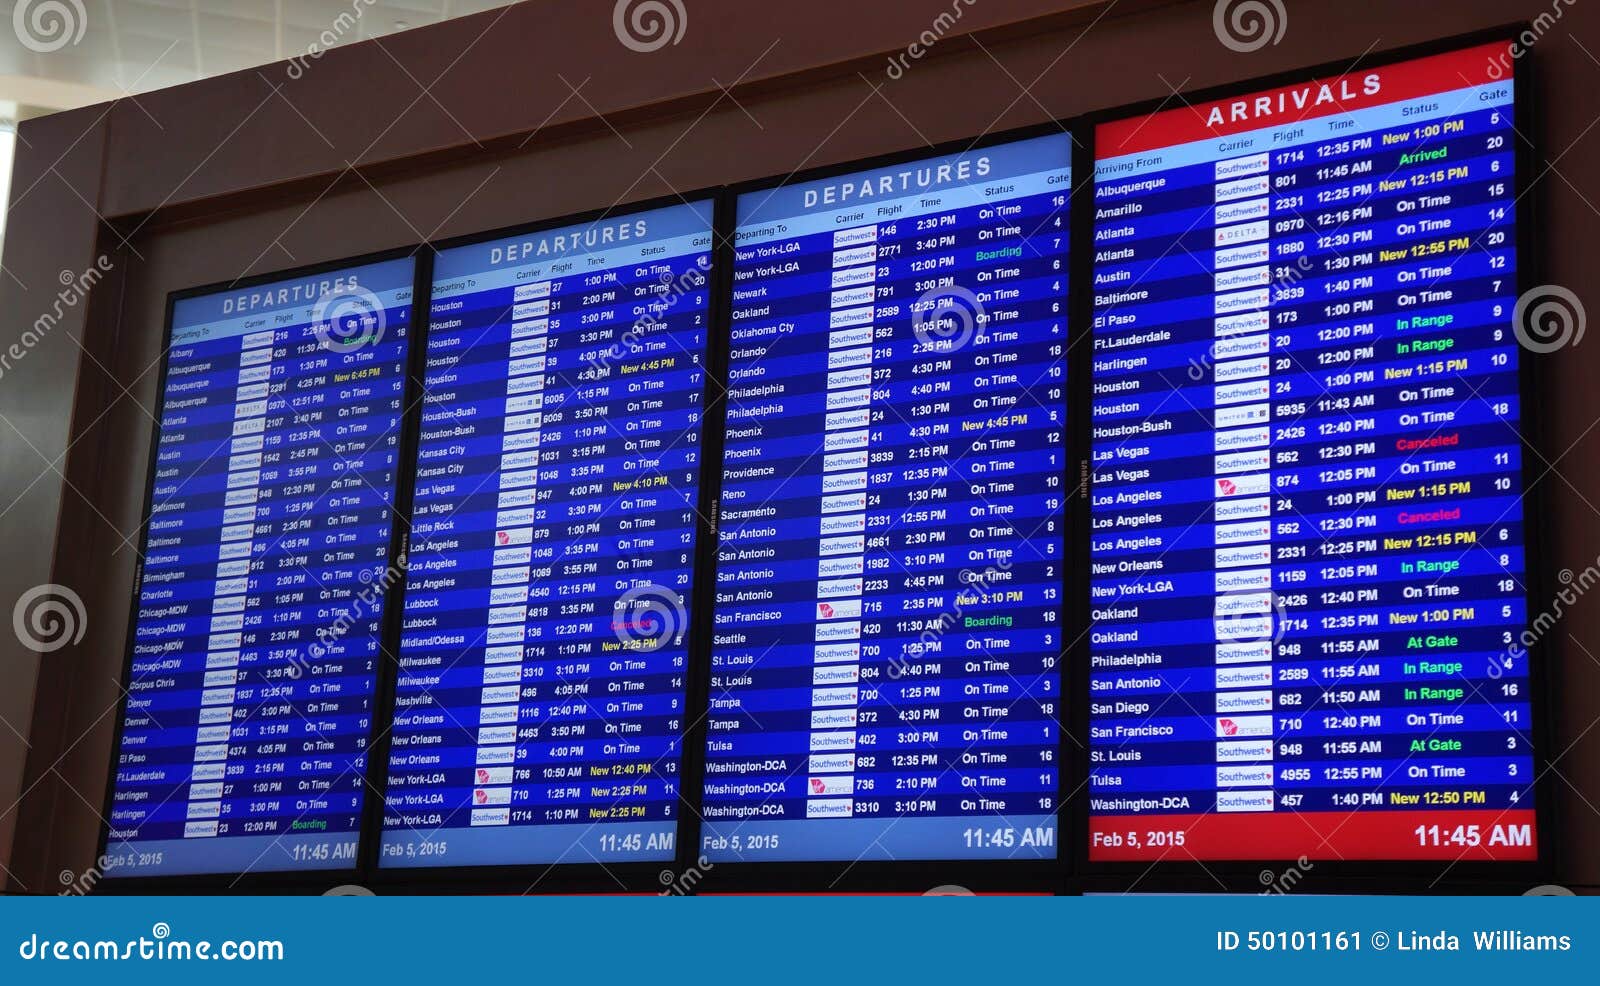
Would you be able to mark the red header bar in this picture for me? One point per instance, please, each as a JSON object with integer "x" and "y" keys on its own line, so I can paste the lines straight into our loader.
{"x": 1355, "y": 90}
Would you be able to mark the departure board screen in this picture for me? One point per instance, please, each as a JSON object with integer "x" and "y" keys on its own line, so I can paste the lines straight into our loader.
{"x": 256, "y": 636}
{"x": 1307, "y": 547}
{"x": 539, "y": 710}
{"x": 885, "y": 680}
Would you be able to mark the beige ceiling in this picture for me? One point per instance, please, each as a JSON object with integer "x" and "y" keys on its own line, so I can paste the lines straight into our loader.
{"x": 74, "y": 52}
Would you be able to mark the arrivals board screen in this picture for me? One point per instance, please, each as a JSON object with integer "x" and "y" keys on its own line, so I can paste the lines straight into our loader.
{"x": 256, "y": 636}
{"x": 1307, "y": 528}
{"x": 885, "y": 680}
{"x": 543, "y": 658}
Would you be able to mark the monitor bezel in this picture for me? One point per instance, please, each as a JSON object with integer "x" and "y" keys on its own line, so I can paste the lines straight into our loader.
{"x": 1413, "y": 875}
{"x": 278, "y": 880}
{"x": 919, "y": 876}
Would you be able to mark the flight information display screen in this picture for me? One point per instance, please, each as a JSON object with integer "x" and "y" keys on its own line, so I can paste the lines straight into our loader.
{"x": 1307, "y": 548}
{"x": 256, "y": 637}
{"x": 539, "y": 710}
{"x": 885, "y": 680}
